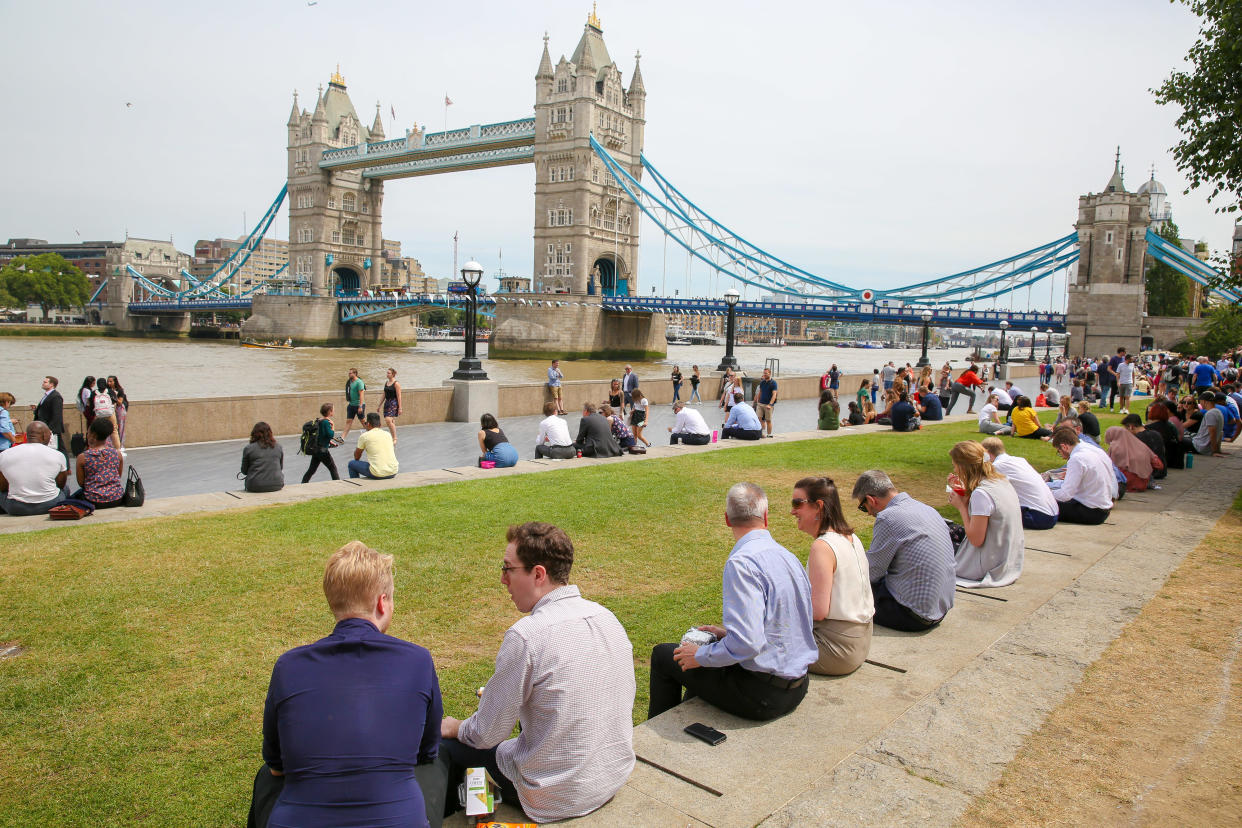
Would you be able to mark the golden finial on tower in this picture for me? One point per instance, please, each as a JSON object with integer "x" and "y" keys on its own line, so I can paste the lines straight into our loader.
{"x": 593, "y": 19}
{"x": 337, "y": 78}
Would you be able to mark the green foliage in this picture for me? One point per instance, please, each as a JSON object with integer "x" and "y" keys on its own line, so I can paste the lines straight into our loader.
{"x": 442, "y": 318}
{"x": 1210, "y": 96}
{"x": 1223, "y": 331}
{"x": 47, "y": 279}
{"x": 1168, "y": 292}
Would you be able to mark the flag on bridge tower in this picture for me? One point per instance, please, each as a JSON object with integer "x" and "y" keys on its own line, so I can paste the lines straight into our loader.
{"x": 447, "y": 100}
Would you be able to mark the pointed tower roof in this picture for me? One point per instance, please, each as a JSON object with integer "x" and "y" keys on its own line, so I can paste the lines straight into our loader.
{"x": 591, "y": 50}
{"x": 377, "y": 128}
{"x": 294, "y": 115}
{"x": 320, "y": 116}
{"x": 1115, "y": 184}
{"x": 545, "y": 62}
{"x": 636, "y": 82}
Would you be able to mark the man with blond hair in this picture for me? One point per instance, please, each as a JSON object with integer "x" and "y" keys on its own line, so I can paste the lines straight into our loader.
{"x": 566, "y": 672}
{"x": 351, "y": 725}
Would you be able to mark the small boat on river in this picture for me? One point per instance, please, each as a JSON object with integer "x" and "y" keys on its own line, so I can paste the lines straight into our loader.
{"x": 287, "y": 345}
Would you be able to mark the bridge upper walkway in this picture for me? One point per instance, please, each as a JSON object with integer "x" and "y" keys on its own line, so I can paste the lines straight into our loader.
{"x": 479, "y": 145}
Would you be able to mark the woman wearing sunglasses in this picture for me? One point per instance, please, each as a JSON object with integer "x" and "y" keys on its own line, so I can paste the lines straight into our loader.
{"x": 840, "y": 583}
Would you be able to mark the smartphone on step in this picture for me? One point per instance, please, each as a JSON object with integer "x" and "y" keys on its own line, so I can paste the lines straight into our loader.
{"x": 704, "y": 733}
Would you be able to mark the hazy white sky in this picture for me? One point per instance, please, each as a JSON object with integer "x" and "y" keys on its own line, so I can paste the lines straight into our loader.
{"x": 875, "y": 143}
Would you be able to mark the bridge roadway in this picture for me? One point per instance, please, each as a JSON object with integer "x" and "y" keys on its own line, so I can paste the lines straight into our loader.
{"x": 356, "y": 310}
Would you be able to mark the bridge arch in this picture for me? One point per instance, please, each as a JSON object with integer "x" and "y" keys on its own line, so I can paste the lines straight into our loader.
{"x": 610, "y": 275}
{"x": 346, "y": 279}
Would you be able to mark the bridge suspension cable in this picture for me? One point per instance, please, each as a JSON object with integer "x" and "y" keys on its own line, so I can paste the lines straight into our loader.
{"x": 1190, "y": 266}
{"x": 710, "y": 241}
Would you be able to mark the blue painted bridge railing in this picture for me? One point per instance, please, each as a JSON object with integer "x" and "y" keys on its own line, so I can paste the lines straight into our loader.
{"x": 845, "y": 312}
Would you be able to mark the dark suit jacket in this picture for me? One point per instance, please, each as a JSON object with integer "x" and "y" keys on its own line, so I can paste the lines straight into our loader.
{"x": 595, "y": 437}
{"x": 50, "y": 411}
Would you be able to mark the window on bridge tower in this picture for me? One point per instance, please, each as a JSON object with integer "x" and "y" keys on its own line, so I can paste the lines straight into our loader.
{"x": 562, "y": 85}
{"x": 349, "y": 202}
{"x": 331, "y": 202}
{"x": 594, "y": 174}
{"x": 336, "y": 236}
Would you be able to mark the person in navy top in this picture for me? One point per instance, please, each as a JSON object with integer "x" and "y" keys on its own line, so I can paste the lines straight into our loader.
{"x": 349, "y": 718}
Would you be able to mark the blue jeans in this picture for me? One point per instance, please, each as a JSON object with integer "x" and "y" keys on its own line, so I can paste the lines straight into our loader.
{"x": 504, "y": 455}
{"x": 20, "y": 508}
{"x": 361, "y": 468}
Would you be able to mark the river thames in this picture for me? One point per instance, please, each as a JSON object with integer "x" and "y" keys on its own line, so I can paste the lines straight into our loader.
{"x": 171, "y": 369}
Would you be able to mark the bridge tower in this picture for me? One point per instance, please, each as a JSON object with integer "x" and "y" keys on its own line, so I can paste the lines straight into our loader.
{"x": 335, "y": 240}
{"x": 1108, "y": 297}
{"x": 586, "y": 228}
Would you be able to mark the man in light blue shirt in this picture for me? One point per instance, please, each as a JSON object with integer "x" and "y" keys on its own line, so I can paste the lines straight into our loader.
{"x": 756, "y": 667}
{"x": 743, "y": 422}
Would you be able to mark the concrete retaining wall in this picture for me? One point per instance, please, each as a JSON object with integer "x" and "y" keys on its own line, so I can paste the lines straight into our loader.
{"x": 202, "y": 419}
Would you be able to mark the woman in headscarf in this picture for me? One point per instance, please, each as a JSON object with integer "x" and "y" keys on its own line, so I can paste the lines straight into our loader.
{"x": 1136, "y": 461}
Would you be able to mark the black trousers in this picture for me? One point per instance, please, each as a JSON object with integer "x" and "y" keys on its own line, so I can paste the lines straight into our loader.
{"x": 453, "y": 760}
{"x": 741, "y": 433}
{"x": 891, "y": 613}
{"x": 958, "y": 390}
{"x": 325, "y": 457}
{"x": 555, "y": 452}
{"x": 689, "y": 439}
{"x": 734, "y": 689}
{"x": 1074, "y": 512}
{"x": 267, "y": 790}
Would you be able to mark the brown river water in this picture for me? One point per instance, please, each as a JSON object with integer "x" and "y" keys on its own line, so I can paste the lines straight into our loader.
{"x": 171, "y": 369}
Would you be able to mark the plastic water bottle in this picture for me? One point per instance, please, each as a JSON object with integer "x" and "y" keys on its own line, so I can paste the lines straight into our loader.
{"x": 715, "y": 436}
{"x": 1190, "y": 459}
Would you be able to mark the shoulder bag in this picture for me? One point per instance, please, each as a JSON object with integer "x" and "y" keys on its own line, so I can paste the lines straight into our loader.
{"x": 135, "y": 495}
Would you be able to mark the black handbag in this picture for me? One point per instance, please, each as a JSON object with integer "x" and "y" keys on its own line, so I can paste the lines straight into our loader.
{"x": 135, "y": 495}
{"x": 77, "y": 443}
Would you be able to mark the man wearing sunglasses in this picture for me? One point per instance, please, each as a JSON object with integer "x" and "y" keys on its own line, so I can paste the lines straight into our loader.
{"x": 566, "y": 672}
{"x": 913, "y": 571}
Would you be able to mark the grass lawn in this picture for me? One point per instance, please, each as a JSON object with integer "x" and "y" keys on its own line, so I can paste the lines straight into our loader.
{"x": 148, "y": 645}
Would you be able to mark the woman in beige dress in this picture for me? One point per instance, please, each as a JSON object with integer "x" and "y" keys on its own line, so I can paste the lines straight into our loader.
{"x": 841, "y": 601}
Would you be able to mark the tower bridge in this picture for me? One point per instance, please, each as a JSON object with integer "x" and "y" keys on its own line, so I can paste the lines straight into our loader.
{"x": 593, "y": 186}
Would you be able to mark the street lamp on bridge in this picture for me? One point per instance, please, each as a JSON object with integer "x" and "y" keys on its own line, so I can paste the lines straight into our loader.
{"x": 926, "y": 316}
{"x": 730, "y": 361}
{"x": 1048, "y": 347}
{"x": 469, "y": 367}
{"x": 1067, "y": 336}
{"x": 1034, "y": 333}
{"x": 1003, "y": 360}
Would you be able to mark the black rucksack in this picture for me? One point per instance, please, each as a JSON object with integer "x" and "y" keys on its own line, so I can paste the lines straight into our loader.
{"x": 310, "y": 437}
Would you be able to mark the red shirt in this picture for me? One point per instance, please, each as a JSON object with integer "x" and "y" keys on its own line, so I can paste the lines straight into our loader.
{"x": 969, "y": 379}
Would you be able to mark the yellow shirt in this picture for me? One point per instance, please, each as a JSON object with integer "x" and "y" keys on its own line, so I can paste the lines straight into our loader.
{"x": 376, "y": 445}
{"x": 1025, "y": 421}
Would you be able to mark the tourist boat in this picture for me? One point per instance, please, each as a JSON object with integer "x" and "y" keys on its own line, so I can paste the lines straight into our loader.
{"x": 287, "y": 345}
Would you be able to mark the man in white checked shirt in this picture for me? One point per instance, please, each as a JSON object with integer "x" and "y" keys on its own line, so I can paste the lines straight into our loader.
{"x": 566, "y": 672}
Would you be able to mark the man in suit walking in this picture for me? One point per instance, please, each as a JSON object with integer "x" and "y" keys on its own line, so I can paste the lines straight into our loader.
{"x": 50, "y": 411}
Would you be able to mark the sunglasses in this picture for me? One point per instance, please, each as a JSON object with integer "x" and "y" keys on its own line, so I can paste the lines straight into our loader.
{"x": 798, "y": 501}
{"x": 862, "y": 506}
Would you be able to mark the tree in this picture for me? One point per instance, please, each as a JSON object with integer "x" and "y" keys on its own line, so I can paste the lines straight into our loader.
{"x": 1223, "y": 331}
{"x": 47, "y": 279}
{"x": 1210, "y": 96}
{"x": 1168, "y": 292}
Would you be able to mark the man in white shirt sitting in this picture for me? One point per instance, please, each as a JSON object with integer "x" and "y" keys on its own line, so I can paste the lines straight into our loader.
{"x": 32, "y": 474}
{"x": 553, "y": 440}
{"x": 566, "y": 672}
{"x": 1086, "y": 494}
{"x": 1039, "y": 507}
{"x": 689, "y": 427}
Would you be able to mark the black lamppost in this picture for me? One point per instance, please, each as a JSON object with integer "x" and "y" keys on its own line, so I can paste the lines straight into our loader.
{"x": 730, "y": 361}
{"x": 1004, "y": 326}
{"x": 469, "y": 367}
{"x": 1048, "y": 347}
{"x": 926, "y": 316}
{"x": 1067, "y": 336}
{"x": 1034, "y": 331}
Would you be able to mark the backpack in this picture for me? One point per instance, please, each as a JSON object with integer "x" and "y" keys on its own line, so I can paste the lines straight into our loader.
{"x": 309, "y": 443}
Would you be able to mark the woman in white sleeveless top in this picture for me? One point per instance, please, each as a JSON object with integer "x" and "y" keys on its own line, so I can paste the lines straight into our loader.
{"x": 840, "y": 581}
{"x": 992, "y": 552}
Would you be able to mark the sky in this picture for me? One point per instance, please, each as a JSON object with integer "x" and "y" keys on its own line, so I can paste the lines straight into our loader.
{"x": 876, "y": 144}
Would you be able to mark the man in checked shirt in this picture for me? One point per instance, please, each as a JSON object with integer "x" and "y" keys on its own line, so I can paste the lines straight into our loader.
{"x": 566, "y": 672}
